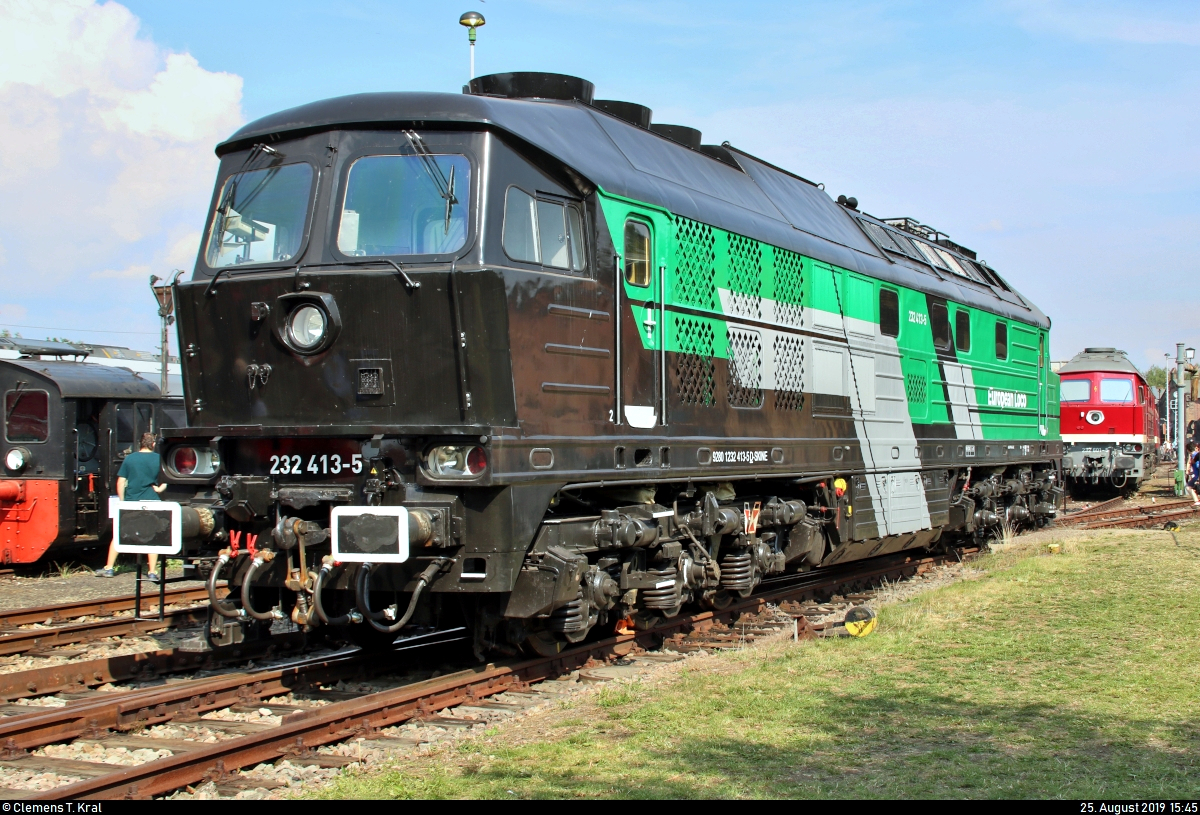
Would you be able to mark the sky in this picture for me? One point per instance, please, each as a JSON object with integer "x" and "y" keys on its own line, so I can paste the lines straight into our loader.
{"x": 1058, "y": 139}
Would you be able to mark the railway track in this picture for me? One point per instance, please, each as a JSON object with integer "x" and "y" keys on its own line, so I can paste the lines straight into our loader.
{"x": 104, "y": 607}
{"x": 83, "y": 671}
{"x": 315, "y": 717}
{"x": 1132, "y": 517}
{"x": 121, "y": 621}
{"x": 1111, "y": 503}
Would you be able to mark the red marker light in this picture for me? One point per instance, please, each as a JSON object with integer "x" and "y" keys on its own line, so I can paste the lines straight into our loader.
{"x": 184, "y": 460}
{"x": 476, "y": 461}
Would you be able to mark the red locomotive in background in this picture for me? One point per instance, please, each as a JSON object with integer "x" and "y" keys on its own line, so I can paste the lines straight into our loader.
{"x": 1109, "y": 421}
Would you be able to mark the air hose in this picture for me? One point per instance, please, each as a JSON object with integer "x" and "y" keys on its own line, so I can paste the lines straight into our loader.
{"x": 259, "y": 560}
{"x": 363, "y": 588}
{"x": 318, "y": 585}
{"x": 216, "y": 604}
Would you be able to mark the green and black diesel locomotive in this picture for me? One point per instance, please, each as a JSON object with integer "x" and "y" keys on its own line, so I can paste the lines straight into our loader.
{"x": 522, "y": 361}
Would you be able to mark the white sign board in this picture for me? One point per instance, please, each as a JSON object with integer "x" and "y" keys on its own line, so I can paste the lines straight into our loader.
{"x": 370, "y": 534}
{"x": 147, "y": 527}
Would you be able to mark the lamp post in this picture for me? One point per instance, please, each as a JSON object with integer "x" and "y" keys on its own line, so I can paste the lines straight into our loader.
{"x": 472, "y": 20}
{"x": 1182, "y": 356}
{"x": 166, "y": 306}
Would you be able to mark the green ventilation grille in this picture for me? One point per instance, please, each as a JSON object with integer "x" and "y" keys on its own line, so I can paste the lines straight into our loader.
{"x": 695, "y": 379}
{"x": 789, "y": 287}
{"x": 745, "y": 368}
{"x": 695, "y": 277}
{"x": 917, "y": 389}
{"x": 745, "y": 277}
{"x": 789, "y": 373}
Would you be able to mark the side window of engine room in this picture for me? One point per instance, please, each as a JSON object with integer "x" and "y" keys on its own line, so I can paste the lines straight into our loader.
{"x": 405, "y": 205}
{"x": 962, "y": 330}
{"x": 1001, "y": 340}
{"x": 940, "y": 322}
{"x": 637, "y": 253}
{"x": 889, "y": 313}
{"x": 544, "y": 231}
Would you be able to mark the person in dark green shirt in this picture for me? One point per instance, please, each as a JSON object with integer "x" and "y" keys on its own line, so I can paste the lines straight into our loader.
{"x": 137, "y": 480}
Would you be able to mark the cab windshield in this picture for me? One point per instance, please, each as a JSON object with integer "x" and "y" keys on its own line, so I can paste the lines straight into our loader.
{"x": 405, "y": 205}
{"x": 1075, "y": 390}
{"x": 260, "y": 216}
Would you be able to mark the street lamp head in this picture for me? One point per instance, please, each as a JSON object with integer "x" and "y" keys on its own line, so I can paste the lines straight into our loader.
{"x": 472, "y": 20}
{"x": 1191, "y": 353}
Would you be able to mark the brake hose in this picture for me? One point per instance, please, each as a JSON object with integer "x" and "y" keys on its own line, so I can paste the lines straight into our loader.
{"x": 363, "y": 596}
{"x": 216, "y": 604}
{"x": 318, "y": 585}
{"x": 258, "y": 561}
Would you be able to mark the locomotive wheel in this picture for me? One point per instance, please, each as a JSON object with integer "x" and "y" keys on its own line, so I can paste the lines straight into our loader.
{"x": 544, "y": 644}
{"x": 717, "y": 601}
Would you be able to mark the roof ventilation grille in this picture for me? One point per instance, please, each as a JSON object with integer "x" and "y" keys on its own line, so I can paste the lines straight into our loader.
{"x": 533, "y": 85}
{"x": 914, "y": 227}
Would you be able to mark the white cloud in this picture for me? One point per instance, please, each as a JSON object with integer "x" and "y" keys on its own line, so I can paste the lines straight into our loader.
{"x": 108, "y": 157}
{"x": 182, "y": 254}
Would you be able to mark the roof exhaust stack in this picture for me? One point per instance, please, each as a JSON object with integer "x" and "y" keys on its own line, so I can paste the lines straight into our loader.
{"x": 635, "y": 114}
{"x": 687, "y": 136}
{"x": 533, "y": 85}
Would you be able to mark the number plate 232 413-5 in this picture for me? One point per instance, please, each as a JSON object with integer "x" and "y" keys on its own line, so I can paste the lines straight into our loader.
{"x": 316, "y": 464}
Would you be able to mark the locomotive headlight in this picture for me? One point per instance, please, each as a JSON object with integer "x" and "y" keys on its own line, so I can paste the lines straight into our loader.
{"x": 193, "y": 462}
{"x": 306, "y": 327}
{"x": 456, "y": 461}
{"x": 16, "y": 459}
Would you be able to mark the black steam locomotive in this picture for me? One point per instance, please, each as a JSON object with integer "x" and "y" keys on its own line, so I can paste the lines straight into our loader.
{"x": 68, "y": 424}
{"x": 523, "y": 361}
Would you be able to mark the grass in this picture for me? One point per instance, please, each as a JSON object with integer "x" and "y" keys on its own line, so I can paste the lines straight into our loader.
{"x": 1068, "y": 675}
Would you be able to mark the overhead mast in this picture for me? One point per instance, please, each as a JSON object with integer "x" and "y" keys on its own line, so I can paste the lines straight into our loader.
{"x": 472, "y": 20}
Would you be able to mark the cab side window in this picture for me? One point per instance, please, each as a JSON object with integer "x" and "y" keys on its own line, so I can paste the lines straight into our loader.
{"x": 125, "y": 423}
{"x": 889, "y": 313}
{"x": 26, "y": 416}
{"x": 637, "y": 253}
{"x": 543, "y": 231}
{"x": 133, "y": 419}
{"x": 1001, "y": 341}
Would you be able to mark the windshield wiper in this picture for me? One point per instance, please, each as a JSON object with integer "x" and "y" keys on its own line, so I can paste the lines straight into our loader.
{"x": 16, "y": 402}
{"x": 450, "y": 199}
{"x": 445, "y": 188}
